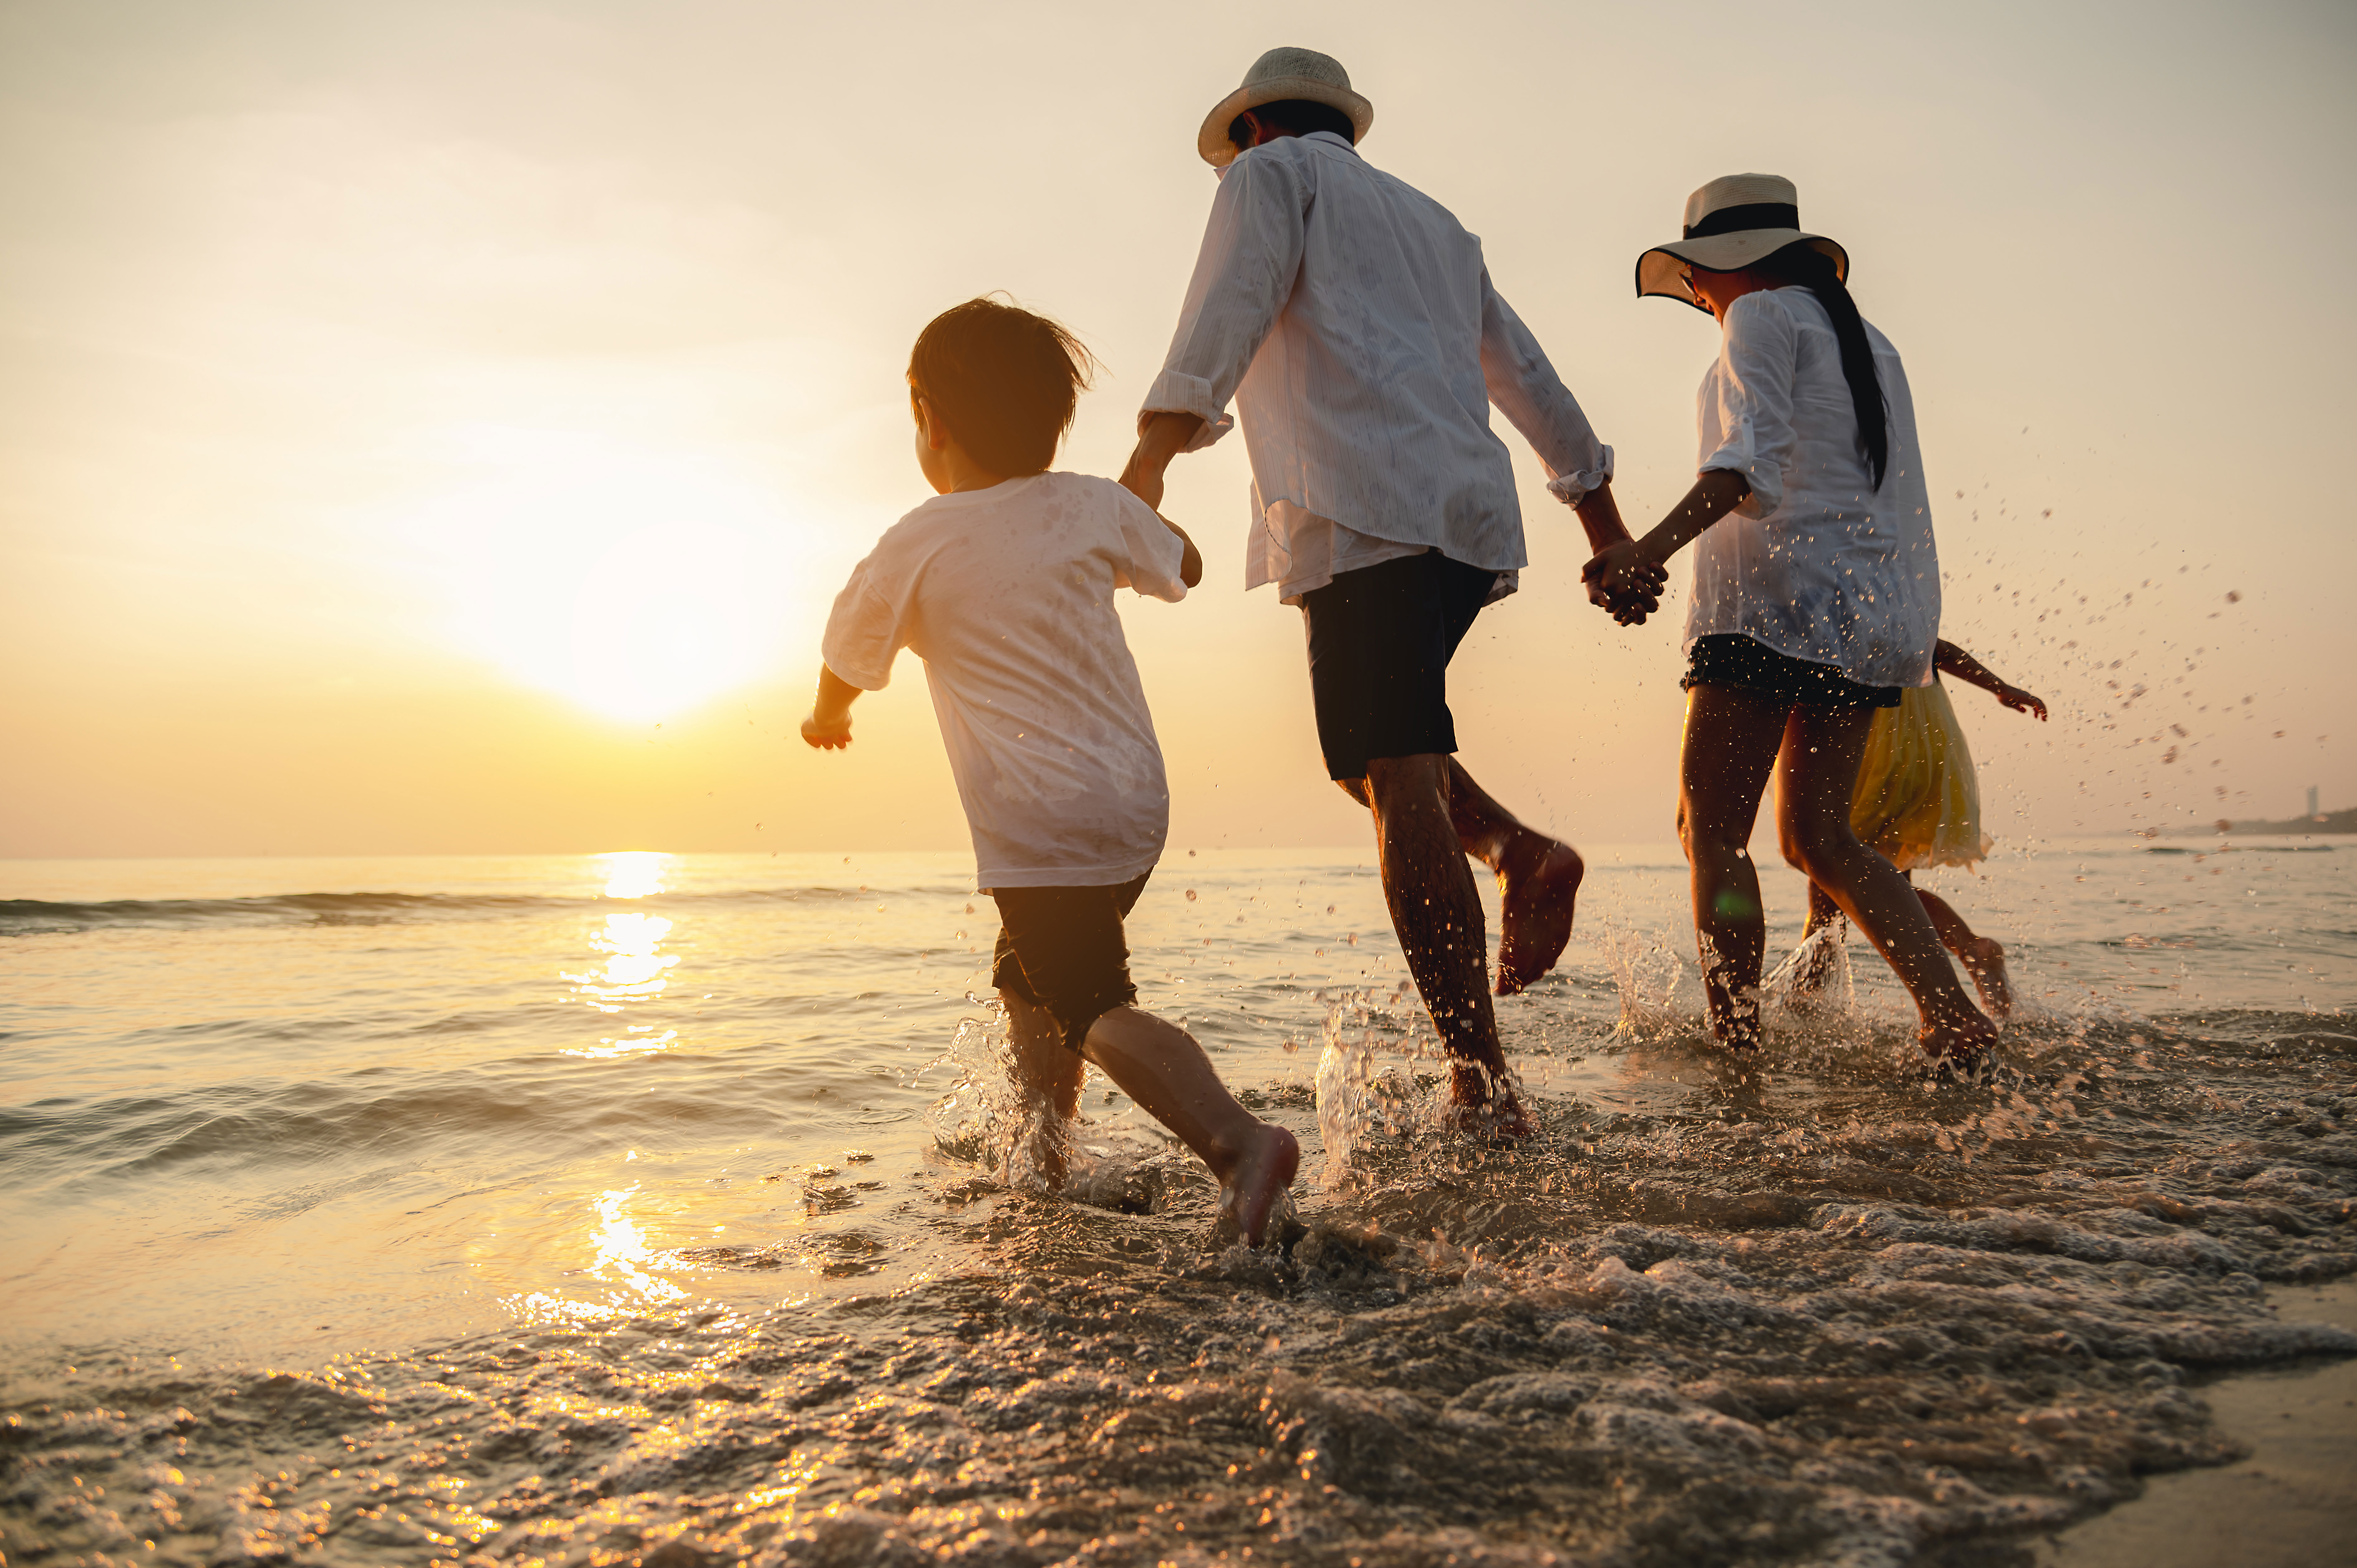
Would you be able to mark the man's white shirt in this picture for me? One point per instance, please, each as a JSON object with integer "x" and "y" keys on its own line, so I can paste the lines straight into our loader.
{"x": 1352, "y": 319}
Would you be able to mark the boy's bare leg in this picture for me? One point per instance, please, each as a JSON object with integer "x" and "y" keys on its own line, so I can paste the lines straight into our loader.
{"x": 1732, "y": 739}
{"x": 1158, "y": 1065}
{"x": 1437, "y": 911}
{"x": 1047, "y": 1074}
{"x": 1983, "y": 957}
{"x": 1538, "y": 880}
{"x": 1816, "y": 770}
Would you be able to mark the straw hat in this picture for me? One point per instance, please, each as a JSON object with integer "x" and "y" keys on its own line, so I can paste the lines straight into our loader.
{"x": 1279, "y": 74}
{"x": 1731, "y": 222}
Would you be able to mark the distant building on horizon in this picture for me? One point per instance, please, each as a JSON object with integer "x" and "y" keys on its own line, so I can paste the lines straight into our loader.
{"x": 2312, "y": 813}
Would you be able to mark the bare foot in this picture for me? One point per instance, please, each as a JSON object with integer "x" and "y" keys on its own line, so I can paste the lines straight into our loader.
{"x": 1250, "y": 1189}
{"x": 1985, "y": 962}
{"x": 1482, "y": 1104}
{"x": 1960, "y": 1051}
{"x": 1538, "y": 881}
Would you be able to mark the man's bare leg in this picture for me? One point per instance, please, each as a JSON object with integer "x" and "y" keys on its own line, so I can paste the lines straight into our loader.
{"x": 1047, "y": 1074}
{"x": 1538, "y": 880}
{"x": 1158, "y": 1065}
{"x": 1983, "y": 957}
{"x": 1437, "y": 911}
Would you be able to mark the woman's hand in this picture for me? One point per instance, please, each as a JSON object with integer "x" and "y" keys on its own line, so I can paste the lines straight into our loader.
{"x": 1626, "y": 581}
{"x": 2022, "y": 701}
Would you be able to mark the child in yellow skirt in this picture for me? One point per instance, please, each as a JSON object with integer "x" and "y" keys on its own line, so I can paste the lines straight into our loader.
{"x": 1918, "y": 803}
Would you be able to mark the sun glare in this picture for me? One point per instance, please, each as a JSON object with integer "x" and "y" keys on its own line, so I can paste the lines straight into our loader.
{"x": 637, "y": 584}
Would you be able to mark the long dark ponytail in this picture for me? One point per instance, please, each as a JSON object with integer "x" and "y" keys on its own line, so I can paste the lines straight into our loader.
{"x": 1804, "y": 265}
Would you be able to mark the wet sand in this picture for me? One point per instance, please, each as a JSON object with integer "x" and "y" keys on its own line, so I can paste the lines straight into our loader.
{"x": 2292, "y": 1504}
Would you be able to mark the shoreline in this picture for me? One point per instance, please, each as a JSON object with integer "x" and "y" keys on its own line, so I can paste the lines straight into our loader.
{"x": 2292, "y": 1503}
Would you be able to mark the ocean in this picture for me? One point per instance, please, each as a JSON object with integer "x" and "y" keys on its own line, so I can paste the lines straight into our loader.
{"x": 641, "y": 1208}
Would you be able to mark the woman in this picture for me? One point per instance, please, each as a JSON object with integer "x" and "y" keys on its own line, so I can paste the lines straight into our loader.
{"x": 1816, "y": 596}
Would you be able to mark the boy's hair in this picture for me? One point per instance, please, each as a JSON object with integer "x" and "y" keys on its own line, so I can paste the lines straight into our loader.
{"x": 1004, "y": 381}
{"x": 1298, "y": 116}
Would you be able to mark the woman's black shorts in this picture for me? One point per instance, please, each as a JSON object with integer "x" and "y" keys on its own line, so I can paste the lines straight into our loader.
{"x": 1380, "y": 641}
{"x": 1062, "y": 949}
{"x": 1731, "y": 659}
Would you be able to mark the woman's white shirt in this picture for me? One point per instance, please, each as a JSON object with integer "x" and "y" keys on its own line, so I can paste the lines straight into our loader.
{"x": 1816, "y": 562}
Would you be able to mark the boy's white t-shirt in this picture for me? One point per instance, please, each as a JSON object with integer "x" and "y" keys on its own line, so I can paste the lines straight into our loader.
{"x": 1006, "y": 595}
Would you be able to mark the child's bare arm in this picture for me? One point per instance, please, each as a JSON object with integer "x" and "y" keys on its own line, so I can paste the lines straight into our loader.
{"x": 1190, "y": 565}
{"x": 828, "y": 728}
{"x": 1950, "y": 659}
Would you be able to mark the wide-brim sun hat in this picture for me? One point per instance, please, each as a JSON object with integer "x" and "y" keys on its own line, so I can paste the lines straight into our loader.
{"x": 1733, "y": 222}
{"x": 1280, "y": 74}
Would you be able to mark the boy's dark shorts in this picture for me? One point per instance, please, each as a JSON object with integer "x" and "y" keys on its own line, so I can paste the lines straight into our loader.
{"x": 1380, "y": 641}
{"x": 1062, "y": 949}
{"x": 1731, "y": 659}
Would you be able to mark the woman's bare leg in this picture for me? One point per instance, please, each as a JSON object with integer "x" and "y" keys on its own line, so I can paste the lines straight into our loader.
{"x": 1732, "y": 739}
{"x": 1158, "y": 1065}
{"x": 1817, "y": 770}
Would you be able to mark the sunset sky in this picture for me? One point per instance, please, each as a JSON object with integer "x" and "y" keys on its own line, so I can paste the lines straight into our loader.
{"x": 441, "y": 427}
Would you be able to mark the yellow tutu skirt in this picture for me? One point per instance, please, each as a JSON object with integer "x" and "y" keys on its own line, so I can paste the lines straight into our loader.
{"x": 1917, "y": 800}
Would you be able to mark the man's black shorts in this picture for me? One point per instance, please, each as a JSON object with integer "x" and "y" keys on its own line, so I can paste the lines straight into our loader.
{"x": 1380, "y": 641}
{"x": 1731, "y": 659}
{"x": 1062, "y": 949}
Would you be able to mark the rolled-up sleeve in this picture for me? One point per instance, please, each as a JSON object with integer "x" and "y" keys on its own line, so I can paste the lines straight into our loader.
{"x": 1251, "y": 254}
{"x": 1535, "y": 402}
{"x": 1754, "y": 402}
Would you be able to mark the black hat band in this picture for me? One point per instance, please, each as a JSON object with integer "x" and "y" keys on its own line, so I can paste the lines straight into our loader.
{"x": 1749, "y": 215}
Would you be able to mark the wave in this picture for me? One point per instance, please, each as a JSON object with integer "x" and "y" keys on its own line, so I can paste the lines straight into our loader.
{"x": 37, "y": 917}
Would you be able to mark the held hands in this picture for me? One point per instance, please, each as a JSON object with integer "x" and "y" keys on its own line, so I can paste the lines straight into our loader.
{"x": 829, "y": 732}
{"x": 1625, "y": 581}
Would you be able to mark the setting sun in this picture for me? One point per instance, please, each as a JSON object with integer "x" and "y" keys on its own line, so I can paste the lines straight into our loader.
{"x": 637, "y": 584}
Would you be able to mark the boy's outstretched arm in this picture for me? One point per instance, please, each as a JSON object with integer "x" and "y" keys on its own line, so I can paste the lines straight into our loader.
{"x": 1950, "y": 659}
{"x": 828, "y": 728}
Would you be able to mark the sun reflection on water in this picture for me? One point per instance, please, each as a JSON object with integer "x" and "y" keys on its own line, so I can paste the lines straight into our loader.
{"x": 634, "y": 873}
{"x": 619, "y": 1256}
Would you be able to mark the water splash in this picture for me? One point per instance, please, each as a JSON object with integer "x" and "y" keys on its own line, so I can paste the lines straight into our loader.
{"x": 1344, "y": 1090}
{"x": 1647, "y": 973}
{"x": 1815, "y": 982}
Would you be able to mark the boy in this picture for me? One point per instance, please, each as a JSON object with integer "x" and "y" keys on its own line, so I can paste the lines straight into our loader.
{"x": 1004, "y": 585}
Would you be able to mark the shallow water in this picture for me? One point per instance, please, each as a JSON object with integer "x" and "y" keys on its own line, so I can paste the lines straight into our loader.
{"x": 647, "y": 1208}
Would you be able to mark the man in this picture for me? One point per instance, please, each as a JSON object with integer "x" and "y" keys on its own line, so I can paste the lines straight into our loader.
{"x": 1351, "y": 318}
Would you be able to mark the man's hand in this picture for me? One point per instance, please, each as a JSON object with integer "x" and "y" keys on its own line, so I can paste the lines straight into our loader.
{"x": 1161, "y": 436}
{"x": 2022, "y": 701}
{"x": 1625, "y": 581}
{"x": 827, "y": 733}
